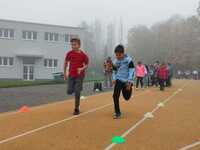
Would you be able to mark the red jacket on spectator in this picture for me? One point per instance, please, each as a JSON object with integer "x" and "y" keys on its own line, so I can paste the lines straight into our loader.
{"x": 162, "y": 72}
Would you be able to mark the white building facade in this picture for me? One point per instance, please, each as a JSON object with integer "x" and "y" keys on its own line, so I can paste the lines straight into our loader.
{"x": 33, "y": 51}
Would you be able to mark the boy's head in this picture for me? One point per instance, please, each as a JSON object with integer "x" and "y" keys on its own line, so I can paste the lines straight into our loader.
{"x": 75, "y": 43}
{"x": 109, "y": 58}
{"x": 157, "y": 62}
{"x": 163, "y": 64}
{"x": 119, "y": 52}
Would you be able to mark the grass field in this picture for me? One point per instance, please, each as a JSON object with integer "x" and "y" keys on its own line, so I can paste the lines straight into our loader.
{"x": 22, "y": 83}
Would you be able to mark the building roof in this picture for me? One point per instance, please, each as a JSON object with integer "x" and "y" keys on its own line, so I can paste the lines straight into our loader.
{"x": 42, "y": 24}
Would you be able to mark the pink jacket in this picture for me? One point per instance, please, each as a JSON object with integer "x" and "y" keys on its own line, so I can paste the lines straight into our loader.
{"x": 140, "y": 71}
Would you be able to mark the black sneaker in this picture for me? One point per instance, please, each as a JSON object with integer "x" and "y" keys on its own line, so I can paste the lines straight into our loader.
{"x": 76, "y": 112}
{"x": 117, "y": 116}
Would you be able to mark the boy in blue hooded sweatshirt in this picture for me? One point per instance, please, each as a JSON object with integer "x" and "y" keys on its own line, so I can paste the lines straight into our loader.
{"x": 123, "y": 72}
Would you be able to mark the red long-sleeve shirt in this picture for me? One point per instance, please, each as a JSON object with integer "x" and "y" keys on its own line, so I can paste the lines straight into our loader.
{"x": 162, "y": 72}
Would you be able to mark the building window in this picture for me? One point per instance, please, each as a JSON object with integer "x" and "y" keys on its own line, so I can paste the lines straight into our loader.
{"x": 51, "y": 63}
{"x": 6, "y": 33}
{"x": 55, "y": 63}
{"x": 45, "y": 62}
{"x": 11, "y": 61}
{"x": 67, "y": 37}
{"x": 6, "y": 61}
{"x": 48, "y": 36}
{"x": 29, "y": 35}
{"x": 12, "y": 33}
{"x": 35, "y": 35}
{"x": 51, "y": 37}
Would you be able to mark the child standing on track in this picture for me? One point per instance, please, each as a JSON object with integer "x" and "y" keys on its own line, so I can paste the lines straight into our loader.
{"x": 155, "y": 80}
{"x": 140, "y": 73}
{"x": 123, "y": 72}
{"x": 162, "y": 74}
{"x": 108, "y": 72}
{"x": 170, "y": 75}
{"x": 76, "y": 62}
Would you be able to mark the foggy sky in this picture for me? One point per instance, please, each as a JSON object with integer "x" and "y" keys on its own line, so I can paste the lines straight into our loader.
{"x": 72, "y": 12}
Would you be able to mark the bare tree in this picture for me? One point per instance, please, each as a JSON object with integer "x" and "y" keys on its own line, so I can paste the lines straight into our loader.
{"x": 176, "y": 40}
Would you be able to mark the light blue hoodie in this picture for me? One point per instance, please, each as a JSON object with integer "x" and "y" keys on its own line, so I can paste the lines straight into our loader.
{"x": 122, "y": 70}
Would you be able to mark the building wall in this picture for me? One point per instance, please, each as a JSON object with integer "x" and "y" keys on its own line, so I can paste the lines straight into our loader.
{"x": 50, "y": 50}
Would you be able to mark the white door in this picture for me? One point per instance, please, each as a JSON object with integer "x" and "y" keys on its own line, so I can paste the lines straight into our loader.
{"x": 28, "y": 72}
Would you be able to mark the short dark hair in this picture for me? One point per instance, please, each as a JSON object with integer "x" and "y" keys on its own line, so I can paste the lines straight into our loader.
{"x": 119, "y": 49}
{"x": 77, "y": 40}
{"x": 163, "y": 63}
{"x": 157, "y": 61}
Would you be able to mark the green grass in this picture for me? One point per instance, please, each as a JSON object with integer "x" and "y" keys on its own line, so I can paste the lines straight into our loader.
{"x": 21, "y": 83}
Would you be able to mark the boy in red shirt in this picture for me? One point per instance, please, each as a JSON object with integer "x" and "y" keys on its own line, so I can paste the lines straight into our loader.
{"x": 76, "y": 62}
{"x": 162, "y": 74}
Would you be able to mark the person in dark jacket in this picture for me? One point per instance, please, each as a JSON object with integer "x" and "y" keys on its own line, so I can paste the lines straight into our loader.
{"x": 162, "y": 75}
{"x": 170, "y": 75}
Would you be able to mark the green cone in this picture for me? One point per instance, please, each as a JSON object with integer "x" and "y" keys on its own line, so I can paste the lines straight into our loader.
{"x": 118, "y": 140}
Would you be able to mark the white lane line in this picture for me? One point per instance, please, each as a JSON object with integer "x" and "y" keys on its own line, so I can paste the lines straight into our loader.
{"x": 190, "y": 146}
{"x": 109, "y": 147}
{"x": 52, "y": 124}
{"x": 55, "y": 103}
{"x": 58, "y": 122}
{"x": 127, "y": 132}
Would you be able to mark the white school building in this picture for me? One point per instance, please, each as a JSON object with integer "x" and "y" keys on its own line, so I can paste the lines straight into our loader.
{"x": 31, "y": 51}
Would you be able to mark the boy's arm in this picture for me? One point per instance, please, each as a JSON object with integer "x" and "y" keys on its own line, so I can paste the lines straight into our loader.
{"x": 131, "y": 71}
{"x": 66, "y": 67}
{"x": 66, "y": 70}
{"x": 114, "y": 72}
{"x": 85, "y": 64}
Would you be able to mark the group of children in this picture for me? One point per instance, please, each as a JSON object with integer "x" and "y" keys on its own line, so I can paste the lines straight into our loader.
{"x": 154, "y": 75}
{"x": 123, "y": 72}
{"x": 188, "y": 74}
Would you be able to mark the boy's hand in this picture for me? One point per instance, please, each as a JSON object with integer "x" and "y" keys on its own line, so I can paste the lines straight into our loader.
{"x": 65, "y": 76}
{"x": 113, "y": 82}
{"x": 80, "y": 70}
